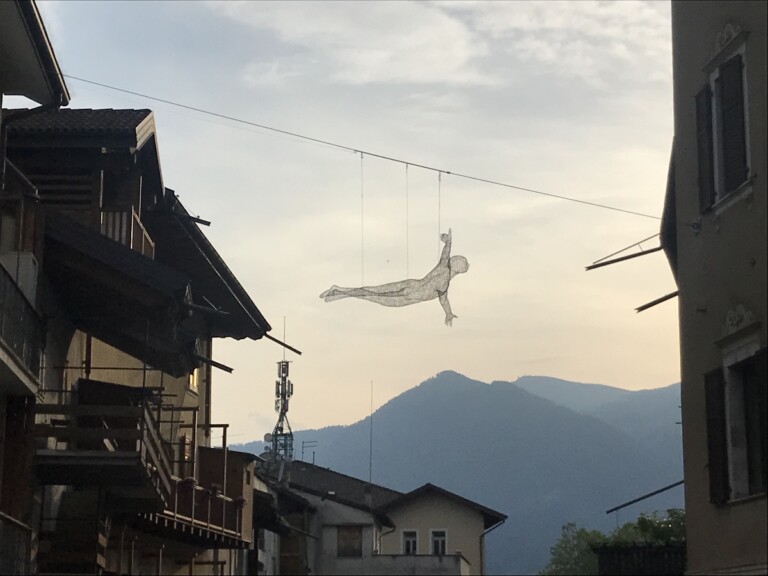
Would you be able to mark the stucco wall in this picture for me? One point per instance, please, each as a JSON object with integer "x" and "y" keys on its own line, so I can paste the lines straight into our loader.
{"x": 322, "y": 553}
{"x": 463, "y": 526}
{"x": 722, "y": 264}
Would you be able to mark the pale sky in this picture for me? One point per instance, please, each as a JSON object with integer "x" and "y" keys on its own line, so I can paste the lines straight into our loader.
{"x": 570, "y": 98}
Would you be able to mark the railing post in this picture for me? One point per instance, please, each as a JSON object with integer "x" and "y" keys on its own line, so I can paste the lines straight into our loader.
{"x": 224, "y": 481}
{"x": 176, "y": 498}
{"x": 194, "y": 444}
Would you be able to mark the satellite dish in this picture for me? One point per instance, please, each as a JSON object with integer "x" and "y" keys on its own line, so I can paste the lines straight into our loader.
{"x": 267, "y": 437}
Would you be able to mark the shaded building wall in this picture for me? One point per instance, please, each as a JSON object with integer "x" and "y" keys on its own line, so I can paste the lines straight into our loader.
{"x": 721, "y": 267}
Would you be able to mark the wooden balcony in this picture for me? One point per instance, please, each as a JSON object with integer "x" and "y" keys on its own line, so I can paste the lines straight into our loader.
{"x": 200, "y": 516}
{"x": 125, "y": 227}
{"x": 111, "y": 445}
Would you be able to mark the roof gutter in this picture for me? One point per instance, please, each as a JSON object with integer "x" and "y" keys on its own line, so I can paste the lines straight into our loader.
{"x": 482, "y": 544}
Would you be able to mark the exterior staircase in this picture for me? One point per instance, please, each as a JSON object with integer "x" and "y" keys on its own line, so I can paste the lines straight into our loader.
{"x": 77, "y": 542}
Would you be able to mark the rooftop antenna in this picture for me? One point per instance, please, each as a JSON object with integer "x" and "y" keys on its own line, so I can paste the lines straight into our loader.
{"x": 308, "y": 444}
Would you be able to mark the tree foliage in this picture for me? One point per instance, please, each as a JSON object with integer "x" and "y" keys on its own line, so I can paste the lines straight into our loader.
{"x": 651, "y": 529}
{"x": 573, "y": 553}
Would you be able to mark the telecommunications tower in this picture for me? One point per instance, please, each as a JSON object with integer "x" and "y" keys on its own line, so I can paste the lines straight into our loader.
{"x": 282, "y": 435}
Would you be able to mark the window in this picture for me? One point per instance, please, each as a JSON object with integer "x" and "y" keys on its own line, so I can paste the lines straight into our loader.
{"x": 721, "y": 127}
{"x": 185, "y": 456}
{"x": 260, "y": 536}
{"x": 349, "y": 541}
{"x": 438, "y": 542}
{"x": 192, "y": 381}
{"x": 736, "y": 429}
{"x": 409, "y": 542}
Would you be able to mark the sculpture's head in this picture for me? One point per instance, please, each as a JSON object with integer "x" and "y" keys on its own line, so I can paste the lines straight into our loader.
{"x": 459, "y": 264}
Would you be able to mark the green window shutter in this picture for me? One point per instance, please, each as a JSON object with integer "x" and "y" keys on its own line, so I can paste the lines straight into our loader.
{"x": 705, "y": 150}
{"x": 733, "y": 142}
{"x": 717, "y": 447}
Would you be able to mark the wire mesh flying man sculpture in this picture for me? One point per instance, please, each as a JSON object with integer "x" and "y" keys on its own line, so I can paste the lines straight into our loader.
{"x": 406, "y": 292}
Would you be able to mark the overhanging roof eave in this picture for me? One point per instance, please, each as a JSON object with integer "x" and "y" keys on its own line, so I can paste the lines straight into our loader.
{"x": 47, "y": 58}
{"x": 180, "y": 243}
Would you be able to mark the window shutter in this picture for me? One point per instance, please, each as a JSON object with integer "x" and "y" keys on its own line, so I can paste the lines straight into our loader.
{"x": 704, "y": 141}
{"x": 733, "y": 134}
{"x": 761, "y": 381}
{"x": 717, "y": 447}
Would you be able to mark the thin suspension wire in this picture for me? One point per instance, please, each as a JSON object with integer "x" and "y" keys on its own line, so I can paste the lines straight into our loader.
{"x": 439, "y": 196}
{"x": 407, "y": 229}
{"x": 357, "y": 150}
{"x": 362, "y": 225}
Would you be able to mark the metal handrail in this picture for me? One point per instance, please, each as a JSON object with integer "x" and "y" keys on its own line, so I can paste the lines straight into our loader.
{"x": 15, "y": 546}
{"x": 21, "y": 329}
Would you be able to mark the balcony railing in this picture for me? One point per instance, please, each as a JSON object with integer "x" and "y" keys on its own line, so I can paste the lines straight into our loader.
{"x": 15, "y": 546}
{"x": 447, "y": 565}
{"x": 125, "y": 227}
{"x": 21, "y": 329}
{"x": 98, "y": 444}
{"x": 206, "y": 507}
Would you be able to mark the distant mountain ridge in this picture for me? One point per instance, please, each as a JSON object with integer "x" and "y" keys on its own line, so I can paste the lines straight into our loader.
{"x": 543, "y": 451}
{"x": 580, "y": 398}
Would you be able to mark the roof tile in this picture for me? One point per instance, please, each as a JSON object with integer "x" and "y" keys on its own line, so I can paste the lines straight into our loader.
{"x": 78, "y": 121}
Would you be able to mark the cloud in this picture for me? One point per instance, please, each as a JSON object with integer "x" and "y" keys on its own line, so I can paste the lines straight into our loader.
{"x": 372, "y": 42}
{"x": 597, "y": 42}
{"x": 274, "y": 74}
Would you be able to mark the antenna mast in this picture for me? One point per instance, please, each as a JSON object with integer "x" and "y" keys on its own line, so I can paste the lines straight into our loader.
{"x": 282, "y": 435}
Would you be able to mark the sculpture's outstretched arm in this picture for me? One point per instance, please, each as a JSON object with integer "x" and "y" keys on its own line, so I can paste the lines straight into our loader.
{"x": 445, "y": 256}
{"x": 449, "y": 315}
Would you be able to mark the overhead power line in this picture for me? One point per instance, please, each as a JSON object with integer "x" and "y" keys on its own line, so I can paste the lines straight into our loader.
{"x": 360, "y": 150}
